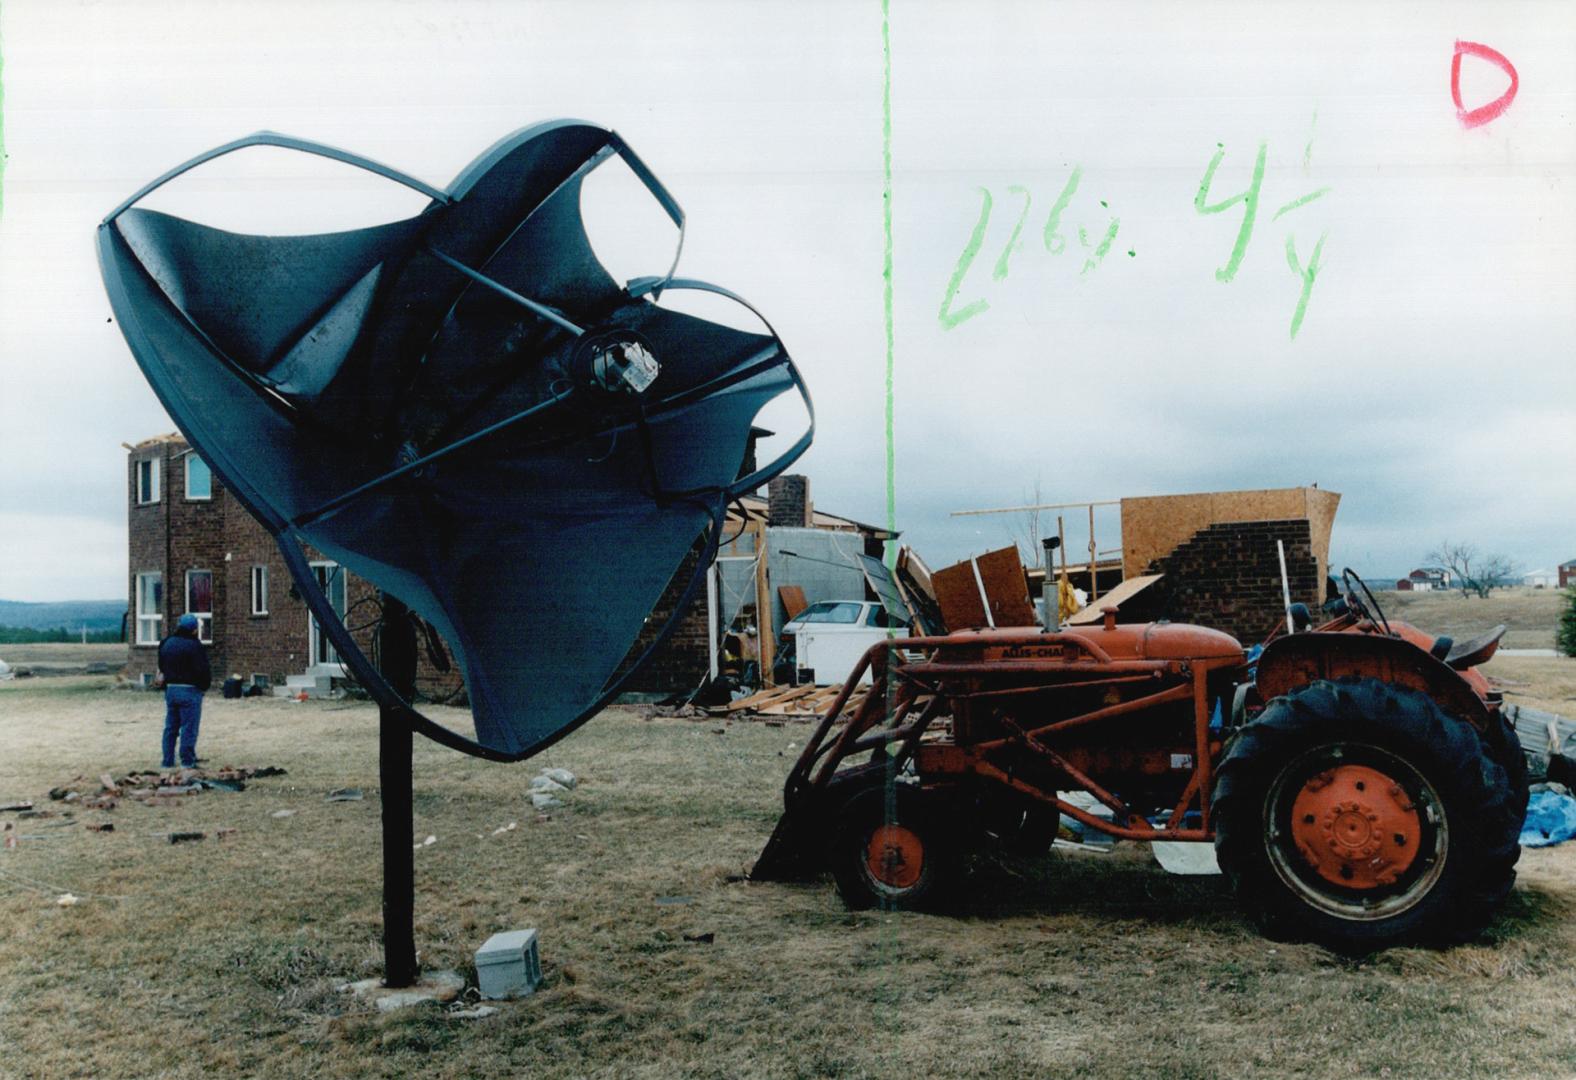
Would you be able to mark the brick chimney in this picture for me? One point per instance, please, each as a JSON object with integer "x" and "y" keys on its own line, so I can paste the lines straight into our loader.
{"x": 788, "y": 502}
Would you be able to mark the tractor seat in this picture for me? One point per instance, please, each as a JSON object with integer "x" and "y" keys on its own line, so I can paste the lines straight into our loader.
{"x": 1476, "y": 651}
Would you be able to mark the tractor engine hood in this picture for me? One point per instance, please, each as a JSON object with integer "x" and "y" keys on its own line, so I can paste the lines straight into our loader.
{"x": 1161, "y": 641}
{"x": 1126, "y": 641}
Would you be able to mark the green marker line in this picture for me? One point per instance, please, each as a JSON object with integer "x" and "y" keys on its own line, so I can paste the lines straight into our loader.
{"x": 1013, "y": 243}
{"x": 1307, "y": 276}
{"x": 1304, "y": 201}
{"x": 1250, "y": 206}
{"x": 886, "y": 271}
{"x": 1054, "y": 240}
{"x": 949, "y": 318}
{"x": 1105, "y": 246}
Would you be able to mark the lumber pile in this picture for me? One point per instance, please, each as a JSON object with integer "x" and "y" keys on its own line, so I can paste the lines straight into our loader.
{"x": 803, "y": 701}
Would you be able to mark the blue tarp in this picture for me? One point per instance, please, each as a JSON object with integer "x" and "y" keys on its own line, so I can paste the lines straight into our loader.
{"x": 1551, "y": 819}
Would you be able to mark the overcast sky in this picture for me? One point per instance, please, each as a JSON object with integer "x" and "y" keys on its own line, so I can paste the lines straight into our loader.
{"x": 1430, "y": 382}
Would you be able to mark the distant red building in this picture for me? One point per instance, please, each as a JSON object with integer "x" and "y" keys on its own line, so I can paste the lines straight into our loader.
{"x": 1424, "y": 580}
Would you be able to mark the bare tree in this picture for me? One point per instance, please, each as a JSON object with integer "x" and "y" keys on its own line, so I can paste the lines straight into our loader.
{"x": 1027, "y": 533}
{"x": 1476, "y": 572}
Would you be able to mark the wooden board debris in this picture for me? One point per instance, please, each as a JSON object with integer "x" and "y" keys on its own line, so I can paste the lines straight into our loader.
{"x": 793, "y": 600}
{"x": 996, "y": 574}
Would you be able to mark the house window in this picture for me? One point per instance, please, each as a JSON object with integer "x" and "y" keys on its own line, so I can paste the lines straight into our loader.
{"x": 147, "y": 481}
{"x": 199, "y": 478}
{"x": 150, "y": 608}
{"x": 259, "y": 590}
{"x": 199, "y": 602}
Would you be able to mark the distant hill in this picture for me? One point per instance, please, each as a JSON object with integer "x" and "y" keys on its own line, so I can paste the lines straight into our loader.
{"x": 70, "y": 614}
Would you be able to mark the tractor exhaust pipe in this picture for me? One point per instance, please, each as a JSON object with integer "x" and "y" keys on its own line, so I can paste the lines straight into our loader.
{"x": 1050, "y": 596}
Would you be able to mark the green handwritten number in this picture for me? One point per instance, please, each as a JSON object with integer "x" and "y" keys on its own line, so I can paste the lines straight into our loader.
{"x": 1307, "y": 277}
{"x": 1104, "y": 247}
{"x": 1250, "y": 208}
{"x": 950, "y": 318}
{"x": 1054, "y": 240}
{"x": 1013, "y": 243}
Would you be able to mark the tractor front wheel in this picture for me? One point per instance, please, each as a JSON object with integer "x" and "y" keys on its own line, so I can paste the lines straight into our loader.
{"x": 1357, "y": 814}
{"x": 891, "y": 849}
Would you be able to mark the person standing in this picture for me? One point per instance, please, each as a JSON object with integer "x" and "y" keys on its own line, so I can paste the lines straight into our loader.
{"x": 183, "y": 667}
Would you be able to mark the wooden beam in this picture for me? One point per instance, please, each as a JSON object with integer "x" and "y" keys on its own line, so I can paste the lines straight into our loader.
{"x": 1038, "y": 506}
{"x": 765, "y": 634}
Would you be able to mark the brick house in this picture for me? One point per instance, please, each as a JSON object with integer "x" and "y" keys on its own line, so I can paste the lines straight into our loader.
{"x": 1567, "y": 572}
{"x": 194, "y": 547}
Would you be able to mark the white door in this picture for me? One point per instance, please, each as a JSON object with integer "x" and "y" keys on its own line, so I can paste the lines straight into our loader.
{"x": 323, "y": 658}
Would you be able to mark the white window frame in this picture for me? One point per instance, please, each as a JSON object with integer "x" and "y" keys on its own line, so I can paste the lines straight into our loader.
{"x": 150, "y": 495}
{"x": 204, "y": 618}
{"x": 259, "y": 589}
{"x": 316, "y": 638}
{"x": 191, "y": 457}
{"x": 145, "y": 618}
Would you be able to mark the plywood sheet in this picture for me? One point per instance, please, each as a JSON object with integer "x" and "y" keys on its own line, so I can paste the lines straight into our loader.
{"x": 1115, "y": 598}
{"x": 1153, "y": 526}
{"x": 1001, "y": 573}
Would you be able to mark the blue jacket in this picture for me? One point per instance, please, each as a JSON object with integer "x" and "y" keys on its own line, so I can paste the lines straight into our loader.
{"x": 184, "y": 660}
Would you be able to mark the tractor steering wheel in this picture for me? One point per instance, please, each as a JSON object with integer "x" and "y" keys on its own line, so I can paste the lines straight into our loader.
{"x": 1370, "y": 608}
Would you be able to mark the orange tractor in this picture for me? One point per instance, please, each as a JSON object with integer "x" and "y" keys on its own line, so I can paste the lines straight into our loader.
{"x": 1357, "y": 778}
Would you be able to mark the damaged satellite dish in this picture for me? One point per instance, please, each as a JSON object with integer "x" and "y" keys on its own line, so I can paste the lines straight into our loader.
{"x": 464, "y": 408}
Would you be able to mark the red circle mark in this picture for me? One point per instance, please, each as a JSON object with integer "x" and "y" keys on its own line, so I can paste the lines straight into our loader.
{"x": 1471, "y": 118}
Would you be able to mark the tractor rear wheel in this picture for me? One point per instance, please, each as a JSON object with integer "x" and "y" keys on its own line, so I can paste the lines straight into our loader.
{"x": 1358, "y": 814}
{"x": 892, "y": 850}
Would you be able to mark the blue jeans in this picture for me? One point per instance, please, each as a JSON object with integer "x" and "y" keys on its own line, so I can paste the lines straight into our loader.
{"x": 182, "y": 713}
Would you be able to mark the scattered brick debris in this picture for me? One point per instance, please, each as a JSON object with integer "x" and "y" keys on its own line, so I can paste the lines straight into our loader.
{"x": 226, "y": 833}
{"x": 101, "y": 826}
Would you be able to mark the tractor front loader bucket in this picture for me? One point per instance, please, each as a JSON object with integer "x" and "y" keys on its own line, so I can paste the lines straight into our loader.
{"x": 794, "y": 850}
{"x": 815, "y": 787}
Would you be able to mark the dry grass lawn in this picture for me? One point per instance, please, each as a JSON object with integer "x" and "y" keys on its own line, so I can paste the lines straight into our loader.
{"x": 222, "y": 958}
{"x": 1531, "y": 614}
